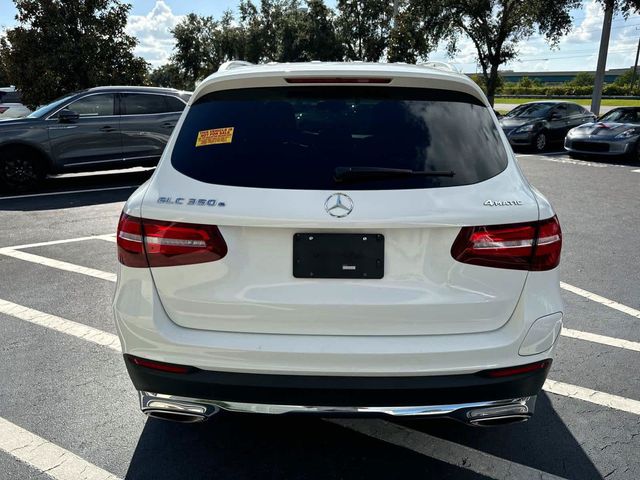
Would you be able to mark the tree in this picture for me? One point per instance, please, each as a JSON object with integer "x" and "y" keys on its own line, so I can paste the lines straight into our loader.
{"x": 526, "y": 82}
{"x": 59, "y": 47}
{"x": 582, "y": 79}
{"x": 406, "y": 41}
{"x": 495, "y": 27}
{"x": 168, "y": 76}
{"x": 319, "y": 39}
{"x": 194, "y": 54}
{"x": 624, "y": 79}
{"x": 364, "y": 27}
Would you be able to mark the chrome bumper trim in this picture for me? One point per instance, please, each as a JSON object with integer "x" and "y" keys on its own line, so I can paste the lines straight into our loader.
{"x": 473, "y": 413}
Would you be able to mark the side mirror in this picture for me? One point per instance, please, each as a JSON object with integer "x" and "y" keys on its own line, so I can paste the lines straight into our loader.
{"x": 67, "y": 116}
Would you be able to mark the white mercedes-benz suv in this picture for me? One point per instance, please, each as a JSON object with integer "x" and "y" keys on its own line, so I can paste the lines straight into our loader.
{"x": 343, "y": 238}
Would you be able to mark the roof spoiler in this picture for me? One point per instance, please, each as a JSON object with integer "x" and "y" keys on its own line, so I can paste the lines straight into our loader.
{"x": 231, "y": 64}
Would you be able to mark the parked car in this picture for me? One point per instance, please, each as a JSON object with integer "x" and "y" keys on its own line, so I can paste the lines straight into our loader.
{"x": 394, "y": 263}
{"x": 98, "y": 128}
{"x": 11, "y": 104}
{"x": 539, "y": 124}
{"x": 617, "y": 132}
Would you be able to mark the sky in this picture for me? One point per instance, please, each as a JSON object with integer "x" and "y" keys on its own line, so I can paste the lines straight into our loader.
{"x": 151, "y": 21}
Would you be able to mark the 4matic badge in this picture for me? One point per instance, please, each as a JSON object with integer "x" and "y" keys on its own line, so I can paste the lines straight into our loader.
{"x": 198, "y": 202}
{"x": 502, "y": 203}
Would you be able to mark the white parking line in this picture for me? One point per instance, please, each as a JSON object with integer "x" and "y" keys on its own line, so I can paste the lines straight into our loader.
{"x": 50, "y": 262}
{"x": 602, "y": 300}
{"x": 593, "y": 396}
{"x": 636, "y": 171}
{"x": 56, "y": 242}
{"x": 68, "y": 192}
{"x": 602, "y": 339}
{"x": 444, "y": 450}
{"x": 60, "y": 324}
{"x": 47, "y": 457}
{"x": 110, "y": 340}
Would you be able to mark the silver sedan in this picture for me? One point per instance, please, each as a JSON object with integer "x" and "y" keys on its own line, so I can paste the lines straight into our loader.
{"x": 615, "y": 133}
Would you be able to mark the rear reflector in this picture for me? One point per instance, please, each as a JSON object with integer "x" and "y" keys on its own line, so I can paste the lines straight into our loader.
{"x": 519, "y": 370}
{"x": 155, "y": 243}
{"x": 531, "y": 246}
{"x": 338, "y": 80}
{"x": 161, "y": 366}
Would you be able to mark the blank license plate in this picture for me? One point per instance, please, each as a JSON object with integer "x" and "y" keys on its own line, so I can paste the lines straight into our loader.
{"x": 338, "y": 255}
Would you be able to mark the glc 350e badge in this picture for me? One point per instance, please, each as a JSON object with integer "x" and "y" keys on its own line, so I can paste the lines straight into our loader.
{"x": 338, "y": 205}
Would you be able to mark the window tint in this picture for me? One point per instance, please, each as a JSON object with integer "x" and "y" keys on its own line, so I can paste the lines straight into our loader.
{"x": 575, "y": 109}
{"x": 93, "y": 105}
{"x": 296, "y": 137}
{"x": 530, "y": 110}
{"x": 174, "y": 104}
{"x": 621, "y": 115}
{"x": 560, "y": 110}
{"x": 9, "y": 97}
{"x": 143, "y": 104}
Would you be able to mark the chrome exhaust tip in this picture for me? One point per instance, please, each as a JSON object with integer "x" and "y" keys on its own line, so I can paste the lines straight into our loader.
{"x": 176, "y": 409}
{"x": 517, "y": 411}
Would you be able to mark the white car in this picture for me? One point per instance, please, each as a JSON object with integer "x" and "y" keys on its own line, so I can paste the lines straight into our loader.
{"x": 343, "y": 238}
{"x": 11, "y": 105}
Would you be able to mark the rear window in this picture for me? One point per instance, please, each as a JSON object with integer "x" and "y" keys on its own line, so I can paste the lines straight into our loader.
{"x": 296, "y": 137}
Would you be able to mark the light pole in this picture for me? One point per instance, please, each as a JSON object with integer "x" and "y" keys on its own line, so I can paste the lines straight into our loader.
{"x": 635, "y": 67}
{"x": 602, "y": 58}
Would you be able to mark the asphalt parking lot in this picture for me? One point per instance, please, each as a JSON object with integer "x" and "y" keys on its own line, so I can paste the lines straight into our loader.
{"x": 67, "y": 406}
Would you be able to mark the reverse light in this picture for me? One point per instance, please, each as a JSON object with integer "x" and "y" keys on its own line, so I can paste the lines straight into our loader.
{"x": 531, "y": 246}
{"x": 156, "y": 243}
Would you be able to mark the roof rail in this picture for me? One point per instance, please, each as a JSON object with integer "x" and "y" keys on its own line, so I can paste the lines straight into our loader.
{"x": 447, "y": 67}
{"x": 231, "y": 64}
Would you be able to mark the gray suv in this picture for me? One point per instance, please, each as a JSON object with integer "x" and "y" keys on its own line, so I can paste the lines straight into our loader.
{"x": 95, "y": 129}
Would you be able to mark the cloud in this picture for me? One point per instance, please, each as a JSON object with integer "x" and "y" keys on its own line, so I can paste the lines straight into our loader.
{"x": 153, "y": 32}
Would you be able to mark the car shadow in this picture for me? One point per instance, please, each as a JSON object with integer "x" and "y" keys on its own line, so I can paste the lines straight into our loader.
{"x": 255, "y": 446}
{"x": 70, "y": 191}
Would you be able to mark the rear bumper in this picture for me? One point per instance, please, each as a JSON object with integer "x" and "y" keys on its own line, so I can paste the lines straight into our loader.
{"x": 336, "y": 391}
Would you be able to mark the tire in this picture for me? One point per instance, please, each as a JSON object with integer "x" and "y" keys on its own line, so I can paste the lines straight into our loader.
{"x": 21, "y": 169}
{"x": 540, "y": 142}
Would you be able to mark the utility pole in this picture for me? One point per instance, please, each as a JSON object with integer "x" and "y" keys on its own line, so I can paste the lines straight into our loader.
{"x": 602, "y": 57}
{"x": 635, "y": 67}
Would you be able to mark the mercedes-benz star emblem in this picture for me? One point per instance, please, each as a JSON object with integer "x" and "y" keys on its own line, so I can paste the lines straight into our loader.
{"x": 338, "y": 205}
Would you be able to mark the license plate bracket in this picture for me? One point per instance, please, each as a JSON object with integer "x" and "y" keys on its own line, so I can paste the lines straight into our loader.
{"x": 338, "y": 255}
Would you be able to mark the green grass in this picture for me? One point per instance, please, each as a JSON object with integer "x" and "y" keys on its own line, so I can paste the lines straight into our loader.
{"x": 582, "y": 101}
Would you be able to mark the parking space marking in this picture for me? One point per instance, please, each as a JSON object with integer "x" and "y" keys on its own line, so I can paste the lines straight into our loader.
{"x": 109, "y": 237}
{"x": 602, "y": 300}
{"x": 636, "y": 171}
{"x": 46, "y": 457}
{"x": 60, "y": 324}
{"x": 50, "y": 262}
{"x": 110, "y": 340}
{"x": 69, "y": 192}
{"x": 54, "y": 242}
{"x": 593, "y": 396}
{"x": 444, "y": 450}
{"x": 602, "y": 339}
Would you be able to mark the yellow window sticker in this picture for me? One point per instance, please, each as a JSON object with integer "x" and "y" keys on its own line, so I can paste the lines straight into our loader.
{"x": 215, "y": 136}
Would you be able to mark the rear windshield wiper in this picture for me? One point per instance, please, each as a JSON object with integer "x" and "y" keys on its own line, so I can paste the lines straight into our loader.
{"x": 359, "y": 174}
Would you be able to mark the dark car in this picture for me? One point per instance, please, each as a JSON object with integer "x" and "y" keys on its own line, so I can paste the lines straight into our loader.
{"x": 538, "y": 124}
{"x": 98, "y": 128}
{"x": 616, "y": 133}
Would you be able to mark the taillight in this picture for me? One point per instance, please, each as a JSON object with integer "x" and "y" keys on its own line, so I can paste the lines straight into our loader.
{"x": 3, "y": 109}
{"x": 155, "y": 243}
{"x": 338, "y": 80}
{"x": 531, "y": 246}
